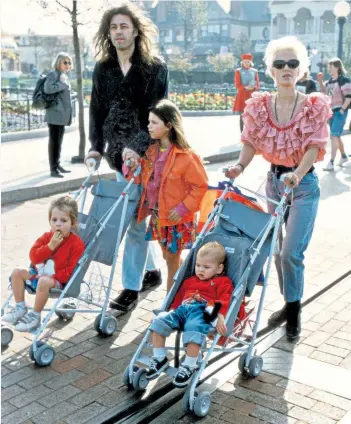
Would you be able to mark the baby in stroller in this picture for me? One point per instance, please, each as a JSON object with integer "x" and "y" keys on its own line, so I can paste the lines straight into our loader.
{"x": 200, "y": 304}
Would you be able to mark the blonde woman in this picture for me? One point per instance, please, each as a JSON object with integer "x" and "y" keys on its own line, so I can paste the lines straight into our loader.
{"x": 60, "y": 113}
{"x": 290, "y": 130}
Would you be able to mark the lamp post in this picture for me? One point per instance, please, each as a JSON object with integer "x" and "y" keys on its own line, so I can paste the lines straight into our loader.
{"x": 341, "y": 11}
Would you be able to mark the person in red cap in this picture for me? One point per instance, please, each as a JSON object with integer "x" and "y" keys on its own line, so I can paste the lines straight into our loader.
{"x": 246, "y": 82}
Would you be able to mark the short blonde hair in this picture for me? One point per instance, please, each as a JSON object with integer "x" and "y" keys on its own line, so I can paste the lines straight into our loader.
{"x": 59, "y": 57}
{"x": 215, "y": 250}
{"x": 287, "y": 43}
{"x": 66, "y": 204}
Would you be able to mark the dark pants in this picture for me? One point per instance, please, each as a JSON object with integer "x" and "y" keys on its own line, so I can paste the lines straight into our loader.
{"x": 56, "y": 133}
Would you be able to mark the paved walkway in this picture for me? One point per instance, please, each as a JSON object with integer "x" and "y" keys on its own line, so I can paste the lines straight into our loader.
{"x": 85, "y": 378}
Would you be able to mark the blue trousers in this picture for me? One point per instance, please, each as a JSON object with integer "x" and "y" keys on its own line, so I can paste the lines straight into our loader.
{"x": 188, "y": 318}
{"x": 139, "y": 254}
{"x": 299, "y": 228}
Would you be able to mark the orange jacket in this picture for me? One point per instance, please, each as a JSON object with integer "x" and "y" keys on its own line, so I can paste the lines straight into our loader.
{"x": 184, "y": 180}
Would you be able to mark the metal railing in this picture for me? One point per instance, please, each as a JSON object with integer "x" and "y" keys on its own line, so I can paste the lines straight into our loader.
{"x": 17, "y": 113}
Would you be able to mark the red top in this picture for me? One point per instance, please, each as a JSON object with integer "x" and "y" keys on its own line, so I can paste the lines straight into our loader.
{"x": 65, "y": 256}
{"x": 217, "y": 289}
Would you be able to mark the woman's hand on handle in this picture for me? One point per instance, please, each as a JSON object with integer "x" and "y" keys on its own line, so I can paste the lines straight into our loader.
{"x": 290, "y": 179}
{"x": 234, "y": 171}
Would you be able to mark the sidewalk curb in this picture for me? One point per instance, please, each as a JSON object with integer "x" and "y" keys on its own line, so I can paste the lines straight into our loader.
{"x": 31, "y": 193}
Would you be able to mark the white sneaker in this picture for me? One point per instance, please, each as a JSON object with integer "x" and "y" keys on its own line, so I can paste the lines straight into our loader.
{"x": 329, "y": 167}
{"x": 342, "y": 161}
{"x": 15, "y": 314}
{"x": 28, "y": 323}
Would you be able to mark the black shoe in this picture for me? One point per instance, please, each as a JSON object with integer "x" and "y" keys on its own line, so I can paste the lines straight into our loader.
{"x": 151, "y": 280}
{"x": 56, "y": 174}
{"x": 183, "y": 376}
{"x": 156, "y": 368}
{"x": 125, "y": 301}
{"x": 278, "y": 317}
{"x": 293, "y": 326}
{"x": 63, "y": 170}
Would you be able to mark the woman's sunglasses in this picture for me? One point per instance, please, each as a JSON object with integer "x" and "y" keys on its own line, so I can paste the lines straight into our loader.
{"x": 292, "y": 64}
{"x": 67, "y": 62}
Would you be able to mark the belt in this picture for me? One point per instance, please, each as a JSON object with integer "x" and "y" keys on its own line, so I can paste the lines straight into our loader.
{"x": 278, "y": 170}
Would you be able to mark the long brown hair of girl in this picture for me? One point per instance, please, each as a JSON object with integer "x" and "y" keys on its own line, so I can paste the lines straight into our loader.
{"x": 170, "y": 114}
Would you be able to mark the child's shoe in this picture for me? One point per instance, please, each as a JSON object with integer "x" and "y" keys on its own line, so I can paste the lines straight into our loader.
{"x": 329, "y": 167}
{"x": 15, "y": 314}
{"x": 183, "y": 376}
{"x": 29, "y": 322}
{"x": 156, "y": 367}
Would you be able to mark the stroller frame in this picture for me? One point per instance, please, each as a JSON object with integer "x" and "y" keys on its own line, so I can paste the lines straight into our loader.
{"x": 42, "y": 353}
{"x": 249, "y": 363}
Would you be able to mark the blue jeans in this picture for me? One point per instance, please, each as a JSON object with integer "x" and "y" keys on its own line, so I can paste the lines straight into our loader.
{"x": 337, "y": 123}
{"x": 299, "y": 228}
{"x": 139, "y": 254}
{"x": 188, "y": 318}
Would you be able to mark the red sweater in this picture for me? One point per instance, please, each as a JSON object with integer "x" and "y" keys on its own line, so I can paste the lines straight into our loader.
{"x": 65, "y": 256}
{"x": 218, "y": 289}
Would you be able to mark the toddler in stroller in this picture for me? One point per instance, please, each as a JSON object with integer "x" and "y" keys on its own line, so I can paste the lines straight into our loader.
{"x": 200, "y": 304}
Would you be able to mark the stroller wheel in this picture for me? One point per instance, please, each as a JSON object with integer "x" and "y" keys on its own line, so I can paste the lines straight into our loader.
{"x": 44, "y": 355}
{"x": 108, "y": 326}
{"x": 186, "y": 401}
{"x": 126, "y": 376}
{"x": 202, "y": 404}
{"x": 31, "y": 351}
{"x": 255, "y": 366}
{"x": 241, "y": 364}
{"x": 67, "y": 316}
{"x": 139, "y": 380}
{"x": 6, "y": 336}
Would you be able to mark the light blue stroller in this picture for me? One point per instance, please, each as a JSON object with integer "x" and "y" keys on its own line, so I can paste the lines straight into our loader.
{"x": 249, "y": 237}
{"x": 102, "y": 230}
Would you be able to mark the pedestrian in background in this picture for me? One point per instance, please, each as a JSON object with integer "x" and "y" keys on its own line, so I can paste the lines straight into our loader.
{"x": 129, "y": 78}
{"x": 246, "y": 81}
{"x": 306, "y": 84}
{"x": 59, "y": 114}
{"x": 290, "y": 130}
{"x": 338, "y": 87}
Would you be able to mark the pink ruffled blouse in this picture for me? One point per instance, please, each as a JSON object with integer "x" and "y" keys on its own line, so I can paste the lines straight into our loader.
{"x": 286, "y": 144}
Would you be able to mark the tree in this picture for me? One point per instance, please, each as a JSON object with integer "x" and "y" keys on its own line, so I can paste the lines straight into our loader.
{"x": 181, "y": 64}
{"x": 71, "y": 8}
{"x": 222, "y": 63}
{"x": 242, "y": 45}
{"x": 193, "y": 15}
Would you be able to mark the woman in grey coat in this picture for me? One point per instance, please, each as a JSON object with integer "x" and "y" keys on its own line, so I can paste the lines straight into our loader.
{"x": 60, "y": 113}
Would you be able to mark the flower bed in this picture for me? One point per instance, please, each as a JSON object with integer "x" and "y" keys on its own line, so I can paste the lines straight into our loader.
{"x": 200, "y": 100}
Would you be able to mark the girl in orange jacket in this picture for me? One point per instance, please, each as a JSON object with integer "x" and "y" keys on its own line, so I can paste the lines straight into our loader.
{"x": 174, "y": 182}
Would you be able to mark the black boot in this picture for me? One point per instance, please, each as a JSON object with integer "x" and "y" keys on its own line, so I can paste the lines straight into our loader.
{"x": 278, "y": 317}
{"x": 56, "y": 174}
{"x": 125, "y": 301}
{"x": 63, "y": 170}
{"x": 151, "y": 280}
{"x": 293, "y": 326}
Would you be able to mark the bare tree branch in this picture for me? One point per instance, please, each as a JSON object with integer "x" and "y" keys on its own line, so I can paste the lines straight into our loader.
{"x": 64, "y": 7}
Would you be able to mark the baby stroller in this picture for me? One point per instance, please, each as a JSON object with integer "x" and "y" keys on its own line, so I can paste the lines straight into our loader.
{"x": 249, "y": 236}
{"x": 102, "y": 230}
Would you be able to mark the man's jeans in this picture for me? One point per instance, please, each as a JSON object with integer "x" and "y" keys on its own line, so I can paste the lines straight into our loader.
{"x": 139, "y": 254}
{"x": 299, "y": 227}
{"x": 189, "y": 318}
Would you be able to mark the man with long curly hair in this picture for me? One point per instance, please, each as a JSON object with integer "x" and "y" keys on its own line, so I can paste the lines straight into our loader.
{"x": 128, "y": 79}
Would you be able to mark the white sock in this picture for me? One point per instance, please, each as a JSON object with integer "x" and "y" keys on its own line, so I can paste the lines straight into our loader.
{"x": 37, "y": 314}
{"x": 159, "y": 353}
{"x": 21, "y": 304}
{"x": 190, "y": 361}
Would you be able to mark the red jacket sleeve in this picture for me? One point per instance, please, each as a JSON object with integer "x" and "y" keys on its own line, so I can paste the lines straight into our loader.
{"x": 180, "y": 295}
{"x": 237, "y": 81}
{"x": 40, "y": 251}
{"x": 75, "y": 253}
{"x": 225, "y": 290}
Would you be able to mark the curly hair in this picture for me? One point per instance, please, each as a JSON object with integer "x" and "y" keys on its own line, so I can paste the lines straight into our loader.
{"x": 147, "y": 32}
{"x": 66, "y": 204}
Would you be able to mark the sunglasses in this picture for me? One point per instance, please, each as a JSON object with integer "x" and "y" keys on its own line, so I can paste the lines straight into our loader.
{"x": 65, "y": 62}
{"x": 292, "y": 64}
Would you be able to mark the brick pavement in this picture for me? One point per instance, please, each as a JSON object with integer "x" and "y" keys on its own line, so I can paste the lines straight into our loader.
{"x": 85, "y": 378}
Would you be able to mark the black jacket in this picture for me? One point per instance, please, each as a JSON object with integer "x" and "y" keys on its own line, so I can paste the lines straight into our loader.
{"x": 119, "y": 106}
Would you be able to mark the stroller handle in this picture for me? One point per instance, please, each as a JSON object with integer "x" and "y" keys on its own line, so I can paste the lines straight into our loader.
{"x": 224, "y": 170}
{"x": 137, "y": 170}
{"x": 92, "y": 165}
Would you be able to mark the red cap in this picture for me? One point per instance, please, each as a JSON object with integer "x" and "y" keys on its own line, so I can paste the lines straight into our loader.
{"x": 246, "y": 56}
